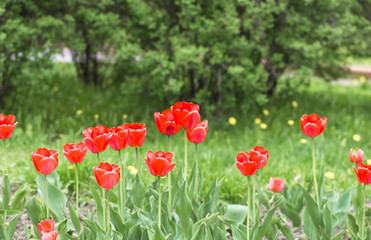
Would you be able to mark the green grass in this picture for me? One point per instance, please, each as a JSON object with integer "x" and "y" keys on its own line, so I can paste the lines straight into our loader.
{"x": 346, "y": 107}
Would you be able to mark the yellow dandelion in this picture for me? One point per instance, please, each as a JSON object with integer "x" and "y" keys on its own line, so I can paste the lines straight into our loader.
{"x": 226, "y": 180}
{"x": 369, "y": 162}
{"x": 232, "y": 121}
{"x": 330, "y": 175}
{"x": 294, "y": 104}
{"x": 356, "y": 137}
{"x": 265, "y": 112}
{"x": 130, "y": 167}
{"x": 355, "y": 81}
{"x": 303, "y": 141}
{"x": 258, "y": 120}
{"x": 96, "y": 116}
{"x": 79, "y": 112}
{"x": 134, "y": 171}
{"x": 125, "y": 116}
{"x": 71, "y": 167}
{"x": 263, "y": 126}
{"x": 362, "y": 79}
{"x": 290, "y": 122}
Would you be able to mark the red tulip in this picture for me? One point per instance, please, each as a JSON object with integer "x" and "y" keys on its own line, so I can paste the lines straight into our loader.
{"x": 276, "y": 184}
{"x": 186, "y": 114}
{"x": 356, "y": 157}
{"x": 45, "y": 160}
{"x": 165, "y": 122}
{"x": 75, "y": 153}
{"x": 259, "y": 155}
{"x": 47, "y": 230}
{"x": 245, "y": 164}
{"x": 198, "y": 132}
{"x": 159, "y": 163}
{"x": 312, "y": 125}
{"x": 137, "y": 134}
{"x": 107, "y": 175}
{"x": 119, "y": 138}
{"x": 7, "y": 125}
{"x": 363, "y": 174}
{"x": 96, "y": 139}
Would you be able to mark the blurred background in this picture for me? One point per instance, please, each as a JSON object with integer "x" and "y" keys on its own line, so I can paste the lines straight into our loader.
{"x": 254, "y": 67}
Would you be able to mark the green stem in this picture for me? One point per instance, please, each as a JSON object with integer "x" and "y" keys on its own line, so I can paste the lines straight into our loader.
{"x": 47, "y": 198}
{"x": 5, "y": 158}
{"x": 108, "y": 216}
{"x": 253, "y": 198}
{"x": 77, "y": 191}
{"x": 185, "y": 155}
{"x": 159, "y": 202}
{"x": 196, "y": 172}
{"x": 314, "y": 174}
{"x": 248, "y": 209}
{"x": 364, "y": 213}
{"x": 136, "y": 153}
{"x": 122, "y": 176}
{"x": 169, "y": 181}
{"x": 103, "y": 197}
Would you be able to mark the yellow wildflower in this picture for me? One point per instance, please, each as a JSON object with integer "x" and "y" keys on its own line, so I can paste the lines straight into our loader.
{"x": 263, "y": 126}
{"x": 232, "y": 121}
{"x": 369, "y": 162}
{"x": 71, "y": 167}
{"x": 96, "y": 116}
{"x": 356, "y": 137}
{"x": 258, "y": 120}
{"x": 362, "y": 79}
{"x": 330, "y": 175}
{"x": 294, "y": 104}
{"x": 265, "y": 112}
{"x": 303, "y": 141}
{"x": 79, "y": 112}
{"x": 125, "y": 116}
{"x": 290, "y": 122}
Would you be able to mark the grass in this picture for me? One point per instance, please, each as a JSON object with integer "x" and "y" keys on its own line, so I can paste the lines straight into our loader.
{"x": 346, "y": 107}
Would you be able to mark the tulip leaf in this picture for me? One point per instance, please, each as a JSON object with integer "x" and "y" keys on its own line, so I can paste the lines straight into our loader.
{"x": 290, "y": 213}
{"x": 219, "y": 233}
{"x": 11, "y": 213}
{"x": 321, "y": 181}
{"x": 262, "y": 230}
{"x": 11, "y": 228}
{"x": 199, "y": 233}
{"x": 34, "y": 209}
{"x": 158, "y": 234}
{"x": 61, "y": 226}
{"x": 57, "y": 199}
{"x": 7, "y": 193}
{"x": 358, "y": 200}
{"x": 210, "y": 202}
{"x": 74, "y": 218}
{"x": 237, "y": 213}
{"x": 2, "y": 232}
{"x": 352, "y": 226}
{"x": 138, "y": 192}
{"x": 116, "y": 220}
{"x": 98, "y": 204}
{"x": 238, "y": 234}
{"x": 135, "y": 232}
{"x": 328, "y": 222}
{"x": 184, "y": 211}
{"x": 338, "y": 236}
{"x": 285, "y": 231}
{"x": 19, "y": 199}
{"x": 344, "y": 201}
{"x": 313, "y": 208}
{"x": 308, "y": 225}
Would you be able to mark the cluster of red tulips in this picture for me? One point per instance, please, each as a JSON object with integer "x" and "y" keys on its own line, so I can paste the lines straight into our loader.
{"x": 183, "y": 115}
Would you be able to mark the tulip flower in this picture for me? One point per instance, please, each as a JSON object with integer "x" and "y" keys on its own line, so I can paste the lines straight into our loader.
{"x": 47, "y": 230}
{"x": 165, "y": 123}
{"x": 159, "y": 165}
{"x": 363, "y": 174}
{"x": 119, "y": 141}
{"x": 312, "y": 125}
{"x": 7, "y": 126}
{"x": 107, "y": 176}
{"x": 198, "y": 132}
{"x": 356, "y": 157}
{"x": 96, "y": 139}
{"x": 276, "y": 184}
{"x": 260, "y": 155}
{"x": 45, "y": 162}
{"x": 137, "y": 135}
{"x": 75, "y": 153}
{"x": 246, "y": 165}
{"x": 186, "y": 114}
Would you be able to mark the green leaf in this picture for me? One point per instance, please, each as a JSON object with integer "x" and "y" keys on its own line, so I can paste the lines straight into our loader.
{"x": 327, "y": 219}
{"x": 308, "y": 226}
{"x": 116, "y": 220}
{"x": 57, "y": 199}
{"x": 74, "y": 218}
{"x": 138, "y": 192}
{"x": 98, "y": 205}
{"x": 290, "y": 212}
{"x": 11, "y": 228}
{"x": 184, "y": 211}
{"x": 285, "y": 231}
{"x": 344, "y": 201}
{"x": 158, "y": 234}
{"x": 262, "y": 230}
{"x": 352, "y": 225}
{"x": 19, "y": 199}
{"x": 11, "y": 213}
{"x": 34, "y": 210}
{"x": 135, "y": 232}
{"x": 6, "y": 190}
{"x": 238, "y": 234}
{"x": 61, "y": 226}
{"x": 313, "y": 208}
{"x": 237, "y": 213}
{"x": 338, "y": 236}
